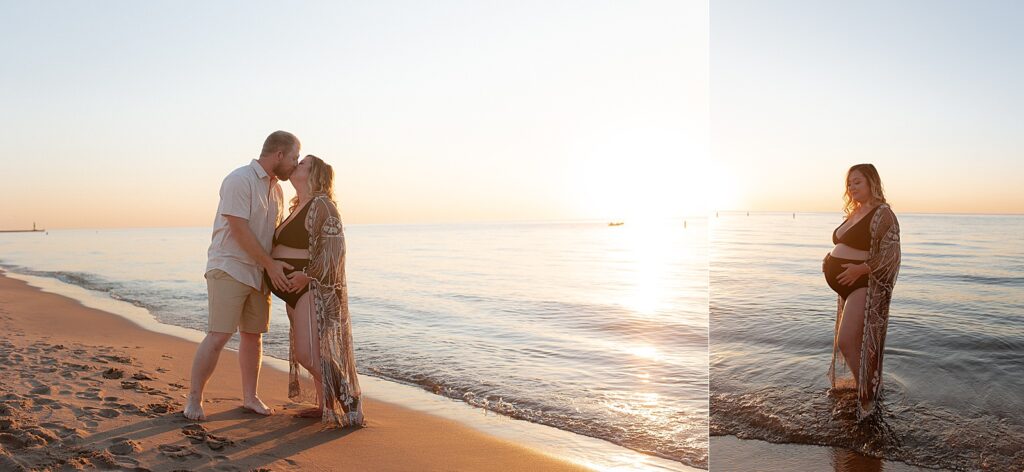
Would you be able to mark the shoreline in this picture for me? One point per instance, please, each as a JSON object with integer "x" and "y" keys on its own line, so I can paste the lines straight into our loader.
{"x": 732, "y": 453}
{"x": 405, "y": 431}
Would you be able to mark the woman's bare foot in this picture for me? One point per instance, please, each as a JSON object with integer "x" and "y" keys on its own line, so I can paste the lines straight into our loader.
{"x": 194, "y": 409}
{"x": 257, "y": 406}
{"x": 310, "y": 413}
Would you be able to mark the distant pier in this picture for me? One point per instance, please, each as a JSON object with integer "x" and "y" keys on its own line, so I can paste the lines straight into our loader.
{"x": 33, "y": 230}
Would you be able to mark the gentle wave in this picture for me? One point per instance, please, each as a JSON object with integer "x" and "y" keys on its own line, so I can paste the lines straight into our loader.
{"x": 919, "y": 434}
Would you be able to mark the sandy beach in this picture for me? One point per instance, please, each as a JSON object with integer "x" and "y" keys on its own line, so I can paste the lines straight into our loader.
{"x": 83, "y": 389}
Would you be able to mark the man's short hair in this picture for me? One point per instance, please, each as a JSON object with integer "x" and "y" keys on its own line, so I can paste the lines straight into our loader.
{"x": 279, "y": 141}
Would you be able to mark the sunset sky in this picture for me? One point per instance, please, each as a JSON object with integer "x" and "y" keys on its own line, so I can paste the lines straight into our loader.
{"x": 126, "y": 114}
{"x": 928, "y": 91}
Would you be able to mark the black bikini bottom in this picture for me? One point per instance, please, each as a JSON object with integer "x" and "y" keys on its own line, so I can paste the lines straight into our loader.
{"x": 832, "y": 267}
{"x": 291, "y": 298}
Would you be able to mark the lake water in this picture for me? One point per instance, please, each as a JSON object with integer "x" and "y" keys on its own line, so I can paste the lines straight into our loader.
{"x": 953, "y": 374}
{"x": 597, "y": 330}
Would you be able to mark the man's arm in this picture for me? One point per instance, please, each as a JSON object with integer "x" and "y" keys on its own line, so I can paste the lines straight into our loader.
{"x": 240, "y": 230}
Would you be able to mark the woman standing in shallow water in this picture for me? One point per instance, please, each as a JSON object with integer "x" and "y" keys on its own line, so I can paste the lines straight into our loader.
{"x": 862, "y": 269}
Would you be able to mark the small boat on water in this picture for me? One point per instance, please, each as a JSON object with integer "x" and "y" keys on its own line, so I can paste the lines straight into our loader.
{"x": 616, "y": 223}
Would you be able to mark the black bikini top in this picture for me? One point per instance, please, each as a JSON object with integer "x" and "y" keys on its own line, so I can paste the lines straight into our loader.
{"x": 858, "y": 236}
{"x": 295, "y": 235}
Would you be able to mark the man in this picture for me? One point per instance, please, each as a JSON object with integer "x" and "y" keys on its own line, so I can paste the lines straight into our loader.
{"x": 251, "y": 203}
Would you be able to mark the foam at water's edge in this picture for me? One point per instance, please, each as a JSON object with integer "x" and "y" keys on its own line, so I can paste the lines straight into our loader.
{"x": 590, "y": 452}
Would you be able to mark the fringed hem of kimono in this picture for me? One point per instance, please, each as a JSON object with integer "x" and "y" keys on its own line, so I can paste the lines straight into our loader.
{"x": 328, "y": 287}
{"x": 884, "y": 260}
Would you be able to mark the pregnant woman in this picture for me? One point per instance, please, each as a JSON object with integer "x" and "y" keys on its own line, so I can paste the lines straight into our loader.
{"x": 862, "y": 270}
{"x": 312, "y": 242}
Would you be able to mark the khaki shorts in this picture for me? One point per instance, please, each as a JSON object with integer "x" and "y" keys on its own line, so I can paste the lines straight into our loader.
{"x": 235, "y": 306}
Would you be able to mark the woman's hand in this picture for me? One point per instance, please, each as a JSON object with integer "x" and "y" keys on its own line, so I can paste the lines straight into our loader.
{"x": 276, "y": 272}
{"x": 297, "y": 281}
{"x": 852, "y": 273}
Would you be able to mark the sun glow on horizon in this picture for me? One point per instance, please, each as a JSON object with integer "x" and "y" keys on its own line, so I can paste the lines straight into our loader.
{"x": 624, "y": 192}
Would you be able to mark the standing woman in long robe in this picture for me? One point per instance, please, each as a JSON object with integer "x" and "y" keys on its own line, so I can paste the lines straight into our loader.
{"x": 320, "y": 340}
{"x": 862, "y": 269}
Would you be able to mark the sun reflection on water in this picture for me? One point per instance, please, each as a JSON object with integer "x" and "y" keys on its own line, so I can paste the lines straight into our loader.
{"x": 651, "y": 247}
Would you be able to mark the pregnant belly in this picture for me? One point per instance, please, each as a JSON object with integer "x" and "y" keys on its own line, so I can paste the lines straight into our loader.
{"x": 284, "y": 252}
{"x": 843, "y": 251}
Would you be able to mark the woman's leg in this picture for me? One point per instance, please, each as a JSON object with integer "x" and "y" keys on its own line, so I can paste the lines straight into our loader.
{"x": 851, "y": 330}
{"x": 307, "y": 346}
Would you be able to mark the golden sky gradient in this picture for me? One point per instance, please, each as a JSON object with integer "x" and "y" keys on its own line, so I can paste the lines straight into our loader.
{"x": 130, "y": 115}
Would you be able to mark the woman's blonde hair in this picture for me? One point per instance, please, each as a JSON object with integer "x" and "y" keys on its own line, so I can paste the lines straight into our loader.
{"x": 874, "y": 183}
{"x": 321, "y": 180}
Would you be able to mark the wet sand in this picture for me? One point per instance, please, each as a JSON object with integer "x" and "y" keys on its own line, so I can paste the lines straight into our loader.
{"x": 83, "y": 389}
{"x": 732, "y": 453}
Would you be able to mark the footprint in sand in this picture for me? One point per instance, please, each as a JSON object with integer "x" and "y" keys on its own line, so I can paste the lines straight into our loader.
{"x": 10, "y": 441}
{"x": 62, "y": 431}
{"x": 217, "y": 443}
{"x": 91, "y": 460}
{"x": 87, "y": 395}
{"x": 72, "y": 365}
{"x": 129, "y": 384}
{"x": 109, "y": 413}
{"x": 26, "y": 437}
{"x": 156, "y": 409}
{"x": 42, "y": 434}
{"x": 129, "y": 465}
{"x": 41, "y": 390}
{"x": 123, "y": 447}
{"x": 115, "y": 358}
{"x": 176, "y": 452}
{"x": 34, "y": 383}
{"x": 196, "y": 433}
{"x": 130, "y": 408}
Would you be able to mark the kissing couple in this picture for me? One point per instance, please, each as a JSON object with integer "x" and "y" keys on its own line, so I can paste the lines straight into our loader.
{"x": 301, "y": 260}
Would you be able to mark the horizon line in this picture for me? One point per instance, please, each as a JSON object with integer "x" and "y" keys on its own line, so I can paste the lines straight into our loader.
{"x": 543, "y": 221}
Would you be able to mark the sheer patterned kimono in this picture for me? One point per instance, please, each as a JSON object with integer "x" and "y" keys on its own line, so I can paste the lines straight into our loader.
{"x": 329, "y": 291}
{"x": 884, "y": 261}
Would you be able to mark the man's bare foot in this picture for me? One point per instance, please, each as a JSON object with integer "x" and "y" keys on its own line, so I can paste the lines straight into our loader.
{"x": 194, "y": 409}
{"x": 310, "y": 413}
{"x": 257, "y": 406}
